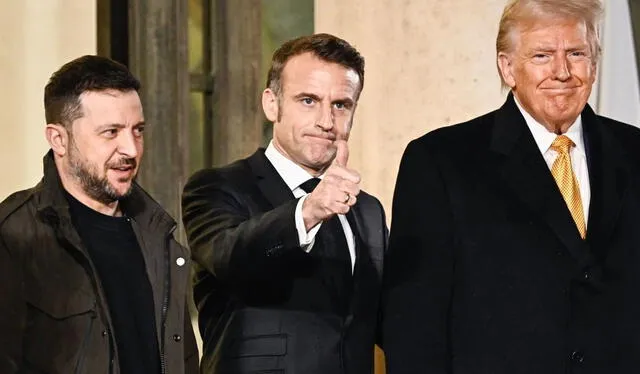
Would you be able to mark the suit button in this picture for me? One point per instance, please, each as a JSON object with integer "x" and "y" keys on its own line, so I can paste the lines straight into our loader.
{"x": 577, "y": 357}
{"x": 177, "y": 338}
{"x": 586, "y": 275}
{"x": 104, "y": 333}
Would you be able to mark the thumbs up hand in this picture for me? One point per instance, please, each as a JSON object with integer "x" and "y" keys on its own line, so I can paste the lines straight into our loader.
{"x": 337, "y": 191}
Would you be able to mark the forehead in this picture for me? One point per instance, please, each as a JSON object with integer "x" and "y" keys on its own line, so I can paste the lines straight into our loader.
{"x": 112, "y": 106}
{"x": 308, "y": 72}
{"x": 550, "y": 33}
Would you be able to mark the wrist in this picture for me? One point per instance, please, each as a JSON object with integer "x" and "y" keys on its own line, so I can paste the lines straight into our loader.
{"x": 310, "y": 219}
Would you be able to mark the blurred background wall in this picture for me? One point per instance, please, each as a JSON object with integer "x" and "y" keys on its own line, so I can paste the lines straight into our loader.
{"x": 428, "y": 64}
{"x": 202, "y": 63}
{"x": 38, "y": 36}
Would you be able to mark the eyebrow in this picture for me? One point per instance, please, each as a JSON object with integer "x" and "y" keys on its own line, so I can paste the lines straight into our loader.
{"x": 301, "y": 95}
{"x": 117, "y": 126}
{"x": 307, "y": 94}
{"x": 346, "y": 101}
{"x": 549, "y": 48}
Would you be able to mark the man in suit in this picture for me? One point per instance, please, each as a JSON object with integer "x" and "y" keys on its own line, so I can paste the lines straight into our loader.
{"x": 289, "y": 250}
{"x": 515, "y": 241}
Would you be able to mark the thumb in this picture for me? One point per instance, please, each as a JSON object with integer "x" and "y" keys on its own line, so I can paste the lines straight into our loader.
{"x": 342, "y": 153}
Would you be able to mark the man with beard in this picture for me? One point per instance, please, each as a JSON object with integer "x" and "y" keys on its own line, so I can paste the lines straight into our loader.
{"x": 91, "y": 279}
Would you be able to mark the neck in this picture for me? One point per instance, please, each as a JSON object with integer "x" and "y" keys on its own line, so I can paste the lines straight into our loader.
{"x": 72, "y": 187}
{"x": 557, "y": 128}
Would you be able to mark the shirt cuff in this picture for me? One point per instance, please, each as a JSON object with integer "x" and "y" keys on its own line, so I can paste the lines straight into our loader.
{"x": 306, "y": 238}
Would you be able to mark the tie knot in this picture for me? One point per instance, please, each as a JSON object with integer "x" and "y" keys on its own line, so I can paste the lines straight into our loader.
{"x": 310, "y": 185}
{"x": 562, "y": 144}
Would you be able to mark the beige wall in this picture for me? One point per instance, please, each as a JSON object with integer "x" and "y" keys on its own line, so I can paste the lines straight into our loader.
{"x": 38, "y": 36}
{"x": 429, "y": 63}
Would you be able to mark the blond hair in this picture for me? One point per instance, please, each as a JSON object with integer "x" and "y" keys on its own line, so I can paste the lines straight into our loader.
{"x": 519, "y": 13}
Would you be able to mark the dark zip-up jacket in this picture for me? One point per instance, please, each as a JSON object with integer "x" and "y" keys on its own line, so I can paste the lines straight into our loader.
{"x": 54, "y": 317}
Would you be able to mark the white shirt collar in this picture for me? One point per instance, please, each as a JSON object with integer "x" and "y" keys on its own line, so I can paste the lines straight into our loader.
{"x": 292, "y": 174}
{"x": 544, "y": 137}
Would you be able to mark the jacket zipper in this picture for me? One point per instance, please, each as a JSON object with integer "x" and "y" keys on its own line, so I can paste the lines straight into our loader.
{"x": 165, "y": 301}
{"x": 85, "y": 342}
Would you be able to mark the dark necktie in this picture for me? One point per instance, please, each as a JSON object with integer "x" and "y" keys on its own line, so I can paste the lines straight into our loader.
{"x": 331, "y": 246}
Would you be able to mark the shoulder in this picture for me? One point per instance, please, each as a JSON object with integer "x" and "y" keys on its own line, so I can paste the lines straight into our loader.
{"x": 370, "y": 207}
{"x": 227, "y": 185}
{"x": 232, "y": 176}
{"x": 15, "y": 204}
{"x": 453, "y": 138}
{"x": 453, "y": 143}
{"x": 625, "y": 136}
{"x": 369, "y": 200}
{"x": 623, "y": 132}
{"x": 236, "y": 170}
{"x": 17, "y": 216}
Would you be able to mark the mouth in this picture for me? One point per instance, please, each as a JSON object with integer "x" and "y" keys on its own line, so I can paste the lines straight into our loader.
{"x": 123, "y": 173}
{"x": 325, "y": 139}
{"x": 123, "y": 168}
{"x": 560, "y": 90}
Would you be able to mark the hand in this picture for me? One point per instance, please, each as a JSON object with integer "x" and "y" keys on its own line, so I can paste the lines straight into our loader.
{"x": 336, "y": 193}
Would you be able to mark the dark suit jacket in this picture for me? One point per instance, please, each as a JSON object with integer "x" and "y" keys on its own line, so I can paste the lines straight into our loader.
{"x": 486, "y": 271}
{"x": 241, "y": 229}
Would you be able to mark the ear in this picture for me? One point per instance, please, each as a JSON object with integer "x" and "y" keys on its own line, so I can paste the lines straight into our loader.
{"x": 58, "y": 138}
{"x": 270, "y": 105}
{"x": 506, "y": 69}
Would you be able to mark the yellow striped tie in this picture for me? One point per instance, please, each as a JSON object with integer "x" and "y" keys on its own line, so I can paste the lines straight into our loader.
{"x": 562, "y": 172}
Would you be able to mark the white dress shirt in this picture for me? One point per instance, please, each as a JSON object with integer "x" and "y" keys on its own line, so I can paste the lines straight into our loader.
{"x": 294, "y": 175}
{"x": 578, "y": 154}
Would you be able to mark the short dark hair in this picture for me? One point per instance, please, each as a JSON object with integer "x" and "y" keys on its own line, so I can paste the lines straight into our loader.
{"x": 326, "y": 47}
{"x": 87, "y": 73}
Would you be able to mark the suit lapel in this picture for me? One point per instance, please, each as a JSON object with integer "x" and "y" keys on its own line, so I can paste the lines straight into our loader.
{"x": 269, "y": 181}
{"x": 607, "y": 177}
{"x": 277, "y": 193}
{"x": 527, "y": 175}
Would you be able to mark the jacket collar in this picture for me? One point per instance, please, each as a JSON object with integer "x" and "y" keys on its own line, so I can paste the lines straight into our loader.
{"x": 525, "y": 172}
{"x": 52, "y": 203}
{"x": 269, "y": 181}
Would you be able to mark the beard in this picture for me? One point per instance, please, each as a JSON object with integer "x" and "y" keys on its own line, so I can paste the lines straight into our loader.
{"x": 92, "y": 183}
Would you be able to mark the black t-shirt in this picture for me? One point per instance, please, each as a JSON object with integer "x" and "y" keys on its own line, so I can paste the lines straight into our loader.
{"x": 117, "y": 257}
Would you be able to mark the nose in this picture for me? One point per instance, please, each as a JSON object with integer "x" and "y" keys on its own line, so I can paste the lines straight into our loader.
{"x": 325, "y": 118}
{"x": 561, "y": 68}
{"x": 128, "y": 144}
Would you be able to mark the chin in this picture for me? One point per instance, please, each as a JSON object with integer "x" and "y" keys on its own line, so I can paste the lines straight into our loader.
{"x": 122, "y": 189}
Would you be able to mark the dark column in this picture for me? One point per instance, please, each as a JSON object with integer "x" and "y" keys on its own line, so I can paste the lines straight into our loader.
{"x": 238, "y": 118}
{"x": 158, "y": 57}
